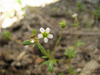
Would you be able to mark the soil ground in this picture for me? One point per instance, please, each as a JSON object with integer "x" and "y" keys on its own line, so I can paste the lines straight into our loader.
{"x": 87, "y": 59}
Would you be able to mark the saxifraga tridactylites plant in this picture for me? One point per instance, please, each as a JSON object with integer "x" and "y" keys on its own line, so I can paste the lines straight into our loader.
{"x": 45, "y": 34}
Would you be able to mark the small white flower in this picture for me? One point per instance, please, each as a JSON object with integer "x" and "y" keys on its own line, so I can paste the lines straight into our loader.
{"x": 45, "y": 40}
{"x": 74, "y": 15}
{"x": 45, "y": 34}
{"x": 32, "y": 41}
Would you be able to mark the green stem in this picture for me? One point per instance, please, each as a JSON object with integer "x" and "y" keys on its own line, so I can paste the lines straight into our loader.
{"x": 76, "y": 38}
{"x": 75, "y": 45}
{"x": 57, "y": 43}
{"x": 69, "y": 60}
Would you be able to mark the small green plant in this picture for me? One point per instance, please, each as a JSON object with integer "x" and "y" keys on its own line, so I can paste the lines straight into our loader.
{"x": 6, "y": 34}
{"x": 97, "y": 13}
{"x": 79, "y": 7}
{"x": 45, "y": 34}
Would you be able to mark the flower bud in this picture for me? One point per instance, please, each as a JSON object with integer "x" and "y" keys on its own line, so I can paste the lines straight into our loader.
{"x": 74, "y": 15}
{"x": 62, "y": 24}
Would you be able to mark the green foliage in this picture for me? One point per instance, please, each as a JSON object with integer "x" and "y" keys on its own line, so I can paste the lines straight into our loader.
{"x": 42, "y": 49}
{"x": 80, "y": 43}
{"x": 30, "y": 36}
{"x": 19, "y": 2}
{"x": 61, "y": 74}
{"x": 50, "y": 68}
{"x": 33, "y": 45}
{"x": 51, "y": 62}
{"x": 80, "y": 7}
{"x": 34, "y": 31}
{"x": 45, "y": 57}
{"x": 70, "y": 53}
{"x": 6, "y": 34}
{"x": 45, "y": 62}
{"x": 36, "y": 38}
{"x": 48, "y": 54}
{"x": 71, "y": 71}
{"x": 48, "y": 51}
{"x": 97, "y": 13}
{"x": 73, "y": 24}
{"x": 62, "y": 24}
{"x": 28, "y": 42}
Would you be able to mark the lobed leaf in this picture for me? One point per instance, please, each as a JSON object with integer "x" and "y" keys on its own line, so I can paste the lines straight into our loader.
{"x": 45, "y": 57}
{"x": 50, "y": 68}
{"x": 42, "y": 49}
{"x": 70, "y": 52}
{"x": 28, "y": 42}
{"x": 45, "y": 62}
{"x": 34, "y": 31}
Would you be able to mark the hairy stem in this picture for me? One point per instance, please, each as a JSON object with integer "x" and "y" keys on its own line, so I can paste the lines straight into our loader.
{"x": 43, "y": 50}
{"x": 76, "y": 38}
{"x": 57, "y": 43}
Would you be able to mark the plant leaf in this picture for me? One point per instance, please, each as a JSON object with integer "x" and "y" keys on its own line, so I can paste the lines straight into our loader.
{"x": 45, "y": 62}
{"x": 45, "y": 57}
{"x": 50, "y": 68}
{"x": 48, "y": 51}
{"x": 80, "y": 43}
{"x": 42, "y": 49}
{"x": 33, "y": 45}
{"x": 71, "y": 71}
{"x": 28, "y": 42}
{"x": 54, "y": 61}
{"x": 34, "y": 31}
{"x": 30, "y": 36}
{"x": 70, "y": 53}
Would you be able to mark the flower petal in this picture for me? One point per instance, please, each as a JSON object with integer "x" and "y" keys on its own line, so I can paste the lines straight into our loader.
{"x": 50, "y": 36}
{"x": 47, "y": 29}
{"x": 40, "y": 36}
{"x": 32, "y": 41}
{"x": 45, "y": 40}
{"x": 42, "y": 30}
